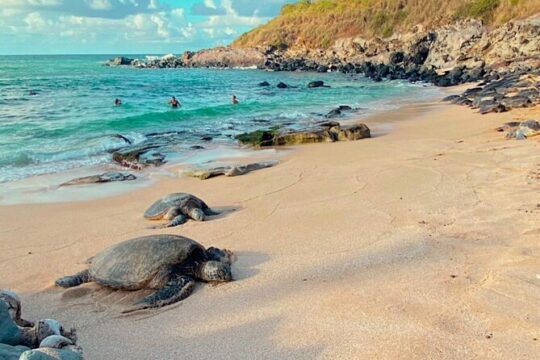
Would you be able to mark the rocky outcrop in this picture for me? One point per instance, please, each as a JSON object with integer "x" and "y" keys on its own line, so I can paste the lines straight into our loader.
{"x": 453, "y": 54}
{"x": 337, "y": 112}
{"x": 325, "y": 132}
{"x": 139, "y": 157}
{"x": 503, "y": 93}
{"x": 221, "y": 57}
{"x": 118, "y": 61}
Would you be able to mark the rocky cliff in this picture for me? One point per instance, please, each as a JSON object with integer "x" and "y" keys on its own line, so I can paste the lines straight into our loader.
{"x": 448, "y": 55}
{"x": 464, "y": 51}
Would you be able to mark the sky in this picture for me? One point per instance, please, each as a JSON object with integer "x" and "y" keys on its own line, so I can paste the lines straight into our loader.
{"x": 127, "y": 26}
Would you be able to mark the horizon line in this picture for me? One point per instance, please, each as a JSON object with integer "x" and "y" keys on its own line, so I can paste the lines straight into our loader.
{"x": 108, "y": 54}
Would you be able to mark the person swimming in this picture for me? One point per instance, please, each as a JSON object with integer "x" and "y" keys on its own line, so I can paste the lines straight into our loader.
{"x": 234, "y": 100}
{"x": 174, "y": 103}
{"x": 117, "y": 102}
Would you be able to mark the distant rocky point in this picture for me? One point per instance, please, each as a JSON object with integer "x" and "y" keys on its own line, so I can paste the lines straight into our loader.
{"x": 463, "y": 52}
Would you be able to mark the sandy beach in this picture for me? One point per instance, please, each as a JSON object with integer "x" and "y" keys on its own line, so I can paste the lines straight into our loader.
{"x": 420, "y": 243}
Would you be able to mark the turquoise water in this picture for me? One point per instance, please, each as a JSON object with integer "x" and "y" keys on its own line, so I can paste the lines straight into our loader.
{"x": 71, "y": 121}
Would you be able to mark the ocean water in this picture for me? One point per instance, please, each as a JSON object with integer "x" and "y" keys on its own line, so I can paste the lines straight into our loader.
{"x": 71, "y": 122}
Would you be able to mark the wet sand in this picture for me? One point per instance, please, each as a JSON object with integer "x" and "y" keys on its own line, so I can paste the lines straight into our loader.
{"x": 420, "y": 243}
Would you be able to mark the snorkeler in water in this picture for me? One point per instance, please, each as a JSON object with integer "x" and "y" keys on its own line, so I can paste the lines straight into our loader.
{"x": 234, "y": 100}
{"x": 174, "y": 103}
{"x": 117, "y": 102}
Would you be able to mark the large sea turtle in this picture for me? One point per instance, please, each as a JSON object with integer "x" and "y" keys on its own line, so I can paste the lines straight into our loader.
{"x": 167, "y": 263}
{"x": 177, "y": 208}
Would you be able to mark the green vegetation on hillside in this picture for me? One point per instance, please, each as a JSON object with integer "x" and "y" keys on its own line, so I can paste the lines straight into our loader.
{"x": 318, "y": 23}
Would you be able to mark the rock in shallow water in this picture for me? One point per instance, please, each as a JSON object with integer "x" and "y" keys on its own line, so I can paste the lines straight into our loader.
{"x": 316, "y": 84}
{"x": 139, "y": 157}
{"x": 326, "y": 132}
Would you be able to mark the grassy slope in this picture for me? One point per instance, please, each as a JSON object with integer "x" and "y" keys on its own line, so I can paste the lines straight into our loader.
{"x": 318, "y": 23}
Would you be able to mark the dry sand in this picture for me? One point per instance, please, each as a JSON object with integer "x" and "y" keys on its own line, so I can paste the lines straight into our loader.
{"x": 421, "y": 243}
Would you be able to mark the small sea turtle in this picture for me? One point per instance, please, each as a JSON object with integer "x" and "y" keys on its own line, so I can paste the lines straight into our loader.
{"x": 167, "y": 263}
{"x": 177, "y": 208}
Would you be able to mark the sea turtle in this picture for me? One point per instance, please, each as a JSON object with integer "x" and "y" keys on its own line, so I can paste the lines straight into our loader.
{"x": 167, "y": 263}
{"x": 177, "y": 208}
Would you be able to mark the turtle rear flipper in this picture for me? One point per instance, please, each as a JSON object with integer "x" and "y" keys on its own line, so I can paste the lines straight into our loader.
{"x": 210, "y": 212}
{"x": 74, "y": 280}
{"x": 177, "y": 289}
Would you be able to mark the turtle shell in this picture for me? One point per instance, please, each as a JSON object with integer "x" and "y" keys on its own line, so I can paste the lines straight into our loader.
{"x": 133, "y": 264}
{"x": 180, "y": 200}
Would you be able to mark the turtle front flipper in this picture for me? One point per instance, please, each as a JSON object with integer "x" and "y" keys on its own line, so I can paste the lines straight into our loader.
{"x": 176, "y": 289}
{"x": 74, "y": 280}
{"x": 179, "y": 220}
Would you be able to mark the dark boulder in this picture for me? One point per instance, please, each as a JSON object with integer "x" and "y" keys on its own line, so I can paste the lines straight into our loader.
{"x": 258, "y": 138}
{"x": 139, "y": 157}
{"x": 322, "y": 69}
{"x": 316, "y": 84}
{"x": 120, "y": 60}
{"x": 516, "y": 102}
{"x": 333, "y": 114}
{"x": 282, "y": 85}
{"x": 263, "y": 84}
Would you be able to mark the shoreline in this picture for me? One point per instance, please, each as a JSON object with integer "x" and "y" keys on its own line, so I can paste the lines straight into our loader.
{"x": 45, "y": 188}
{"x": 418, "y": 243}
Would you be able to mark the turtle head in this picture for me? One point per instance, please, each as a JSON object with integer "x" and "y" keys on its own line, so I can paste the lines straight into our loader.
{"x": 215, "y": 271}
{"x": 222, "y": 255}
{"x": 196, "y": 214}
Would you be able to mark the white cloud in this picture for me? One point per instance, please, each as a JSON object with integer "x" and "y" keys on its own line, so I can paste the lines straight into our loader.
{"x": 99, "y": 4}
{"x": 35, "y": 22}
{"x": 154, "y": 5}
{"x": 210, "y": 4}
{"x": 44, "y": 2}
{"x": 122, "y": 25}
{"x": 178, "y": 13}
{"x": 231, "y": 18}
